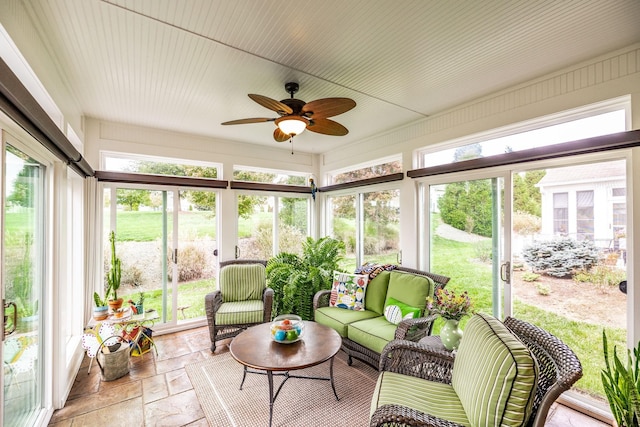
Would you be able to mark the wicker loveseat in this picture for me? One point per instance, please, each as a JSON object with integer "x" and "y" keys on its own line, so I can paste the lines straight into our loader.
{"x": 365, "y": 333}
{"x": 503, "y": 374}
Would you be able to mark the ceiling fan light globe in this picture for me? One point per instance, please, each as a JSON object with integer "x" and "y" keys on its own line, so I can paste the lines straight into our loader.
{"x": 291, "y": 125}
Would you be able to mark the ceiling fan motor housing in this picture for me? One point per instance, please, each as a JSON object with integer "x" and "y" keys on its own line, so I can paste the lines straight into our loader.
{"x": 291, "y": 88}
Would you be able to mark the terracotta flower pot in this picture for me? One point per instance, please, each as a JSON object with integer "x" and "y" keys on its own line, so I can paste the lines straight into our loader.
{"x": 115, "y": 304}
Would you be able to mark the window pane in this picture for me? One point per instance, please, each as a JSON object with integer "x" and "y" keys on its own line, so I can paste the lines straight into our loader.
{"x": 143, "y": 219}
{"x": 569, "y": 286}
{"x": 368, "y": 172}
{"x": 560, "y": 213}
{"x": 255, "y": 226}
{"x": 293, "y": 228}
{"x": 241, "y": 173}
{"x": 160, "y": 166}
{"x": 342, "y": 220}
{"x": 382, "y": 226}
{"x": 196, "y": 243}
{"x": 601, "y": 124}
{"x": 584, "y": 214}
{"x": 23, "y": 267}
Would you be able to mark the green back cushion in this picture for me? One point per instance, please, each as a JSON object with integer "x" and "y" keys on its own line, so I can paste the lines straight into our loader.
{"x": 242, "y": 282}
{"x": 494, "y": 374}
{"x": 377, "y": 292}
{"x": 410, "y": 289}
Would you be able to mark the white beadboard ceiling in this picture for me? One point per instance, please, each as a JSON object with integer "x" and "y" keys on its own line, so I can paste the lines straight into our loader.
{"x": 189, "y": 65}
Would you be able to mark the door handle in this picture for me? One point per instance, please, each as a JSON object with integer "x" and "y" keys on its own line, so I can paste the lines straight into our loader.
{"x": 237, "y": 252}
{"x": 14, "y": 320}
{"x": 505, "y": 272}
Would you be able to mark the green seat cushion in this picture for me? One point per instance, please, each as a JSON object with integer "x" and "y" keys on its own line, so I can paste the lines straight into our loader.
{"x": 338, "y": 318}
{"x": 411, "y": 289}
{"x": 377, "y": 292}
{"x": 429, "y": 397}
{"x": 373, "y": 333}
{"x": 240, "y": 312}
{"x": 494, "y": 374}
{"x": 242, "y": 282}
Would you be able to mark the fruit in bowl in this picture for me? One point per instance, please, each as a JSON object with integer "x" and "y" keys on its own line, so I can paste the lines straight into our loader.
{"x": 287, "y": 328}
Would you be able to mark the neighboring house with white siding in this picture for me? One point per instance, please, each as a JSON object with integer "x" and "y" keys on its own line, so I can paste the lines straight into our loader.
{"x": 584, "y": 202}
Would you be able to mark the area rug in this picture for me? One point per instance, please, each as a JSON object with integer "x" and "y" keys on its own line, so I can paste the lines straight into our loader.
{"x": 301, "y": 402}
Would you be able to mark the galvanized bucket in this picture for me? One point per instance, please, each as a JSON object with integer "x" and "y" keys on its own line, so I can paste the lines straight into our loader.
{"x": 113, "y": 364}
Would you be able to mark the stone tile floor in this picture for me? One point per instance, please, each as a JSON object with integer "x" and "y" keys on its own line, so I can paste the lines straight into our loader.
{"x": 157, "y": 391}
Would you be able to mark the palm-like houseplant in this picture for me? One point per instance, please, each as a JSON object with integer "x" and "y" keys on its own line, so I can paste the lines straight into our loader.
{"x": 295, "y": 279}
{"x": 622, "y": 385}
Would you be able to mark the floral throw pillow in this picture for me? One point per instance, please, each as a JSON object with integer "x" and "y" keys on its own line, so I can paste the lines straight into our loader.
{"x": 348, "y": 290}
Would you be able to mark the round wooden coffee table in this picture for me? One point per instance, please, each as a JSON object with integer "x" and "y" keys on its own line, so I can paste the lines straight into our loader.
{"x": 259, "y": 354}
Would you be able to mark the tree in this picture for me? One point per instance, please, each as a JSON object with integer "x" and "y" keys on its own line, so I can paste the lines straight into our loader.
{"x": 467, "y": 152}
{"x": 133, "y": 198}
{"x": 526, "y": 196}
{"x": 158, "y": 168}
{"x": 467, "y": 205}
{"x": 22, "y": 194}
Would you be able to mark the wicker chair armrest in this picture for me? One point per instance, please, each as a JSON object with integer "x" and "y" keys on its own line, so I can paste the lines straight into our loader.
{"x": 401, "y": 415}
{"x": 213, "y": 301}
{"x": 321, "y": 299}
{"x": 267, "y": 299}
{"x": 414, "y": 329}
{"x": 412, "y": 358}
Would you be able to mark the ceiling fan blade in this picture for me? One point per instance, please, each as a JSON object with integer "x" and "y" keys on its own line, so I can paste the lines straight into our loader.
{"x": 246, "y": 121}
{"x": 280, "y": 136}
{"x": 327, "y": 107}
{"x": 271, "y": 104}
{"x": 327, "y": 127}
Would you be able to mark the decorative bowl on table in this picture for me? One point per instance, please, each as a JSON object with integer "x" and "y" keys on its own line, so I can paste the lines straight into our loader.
{"x": 287, "y": 328}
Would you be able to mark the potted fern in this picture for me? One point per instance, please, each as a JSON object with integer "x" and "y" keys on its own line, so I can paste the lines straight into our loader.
{"x": 622, "y": 385}
{"x": 295, "y": 279}
{"x": 113, "y": 277}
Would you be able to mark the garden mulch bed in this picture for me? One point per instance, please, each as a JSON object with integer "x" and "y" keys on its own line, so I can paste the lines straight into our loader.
{"x": 584, "y": 302}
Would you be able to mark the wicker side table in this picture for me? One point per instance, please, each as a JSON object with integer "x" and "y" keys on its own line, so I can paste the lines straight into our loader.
{"x": 434, "y": 341}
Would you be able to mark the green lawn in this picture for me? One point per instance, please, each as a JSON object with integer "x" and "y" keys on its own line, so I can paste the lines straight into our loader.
{"x": 147, "y": 226}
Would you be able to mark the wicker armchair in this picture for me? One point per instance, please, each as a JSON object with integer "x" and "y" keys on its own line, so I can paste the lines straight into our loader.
{"x": 241, "y": 300}
{"x": 558, "y": 370}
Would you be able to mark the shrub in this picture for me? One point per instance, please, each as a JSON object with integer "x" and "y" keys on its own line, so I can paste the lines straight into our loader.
{"x": 526, "y": 224}
{"x": 131, "y": 275}
{"x": 530, "y": 277}
{"x": 562, "y": 257}
{"x": 483, "y": 251}
{"x": 601, "y": 275}
{"x": 543, "y": 288}
{"x": 191, "y": 263}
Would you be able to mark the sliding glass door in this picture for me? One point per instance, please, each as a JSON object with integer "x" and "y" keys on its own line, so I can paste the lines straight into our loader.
{"x": 166, "y": 240}
{"x": 569, "y": 256}
{"x": 22, "y": 280}
{"x": 468, "y": 240}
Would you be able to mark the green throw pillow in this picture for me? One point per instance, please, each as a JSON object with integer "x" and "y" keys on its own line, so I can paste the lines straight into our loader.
{"x": 396, "y": 311}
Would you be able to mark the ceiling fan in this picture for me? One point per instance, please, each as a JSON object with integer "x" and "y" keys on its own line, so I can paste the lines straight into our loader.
{"x": 297, "y": 115}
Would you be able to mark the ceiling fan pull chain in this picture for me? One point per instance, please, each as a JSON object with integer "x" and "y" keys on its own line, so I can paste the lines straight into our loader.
{"x": 291, "y": 141}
